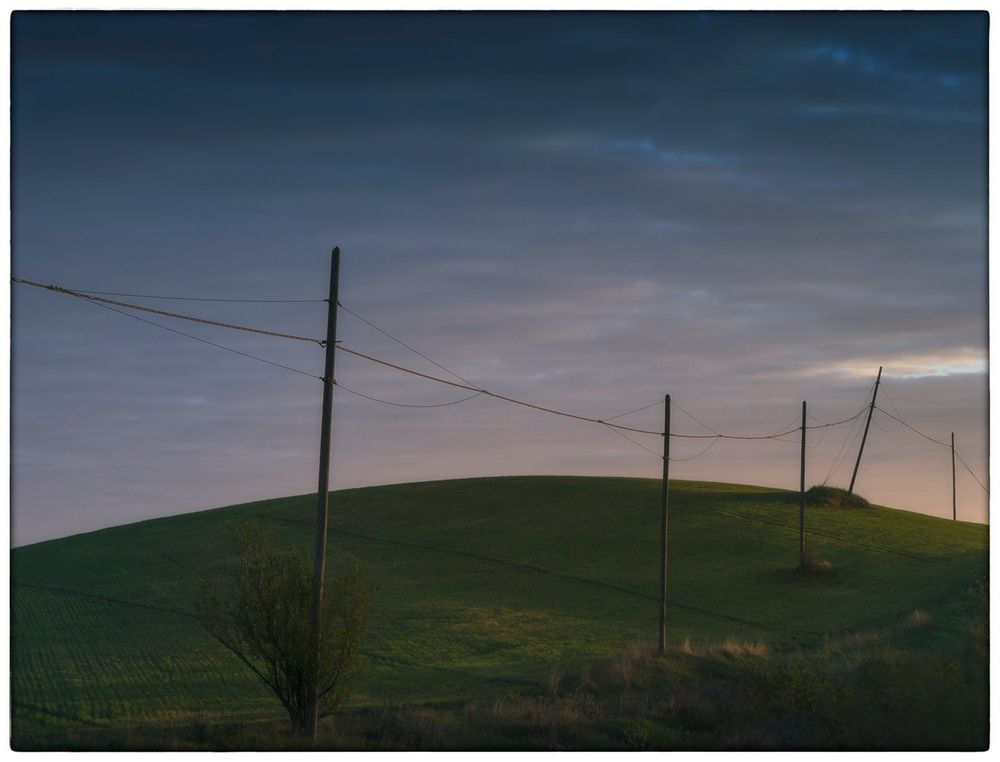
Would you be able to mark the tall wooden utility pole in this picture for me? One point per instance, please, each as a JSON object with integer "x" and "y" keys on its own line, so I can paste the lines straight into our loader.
{"x": 802, "y": 494}
{"x": 954, "y": 507}
{"x": 868, "y": 423}
{"x": 664, "y": 501}
{"x": 322, "y": 501}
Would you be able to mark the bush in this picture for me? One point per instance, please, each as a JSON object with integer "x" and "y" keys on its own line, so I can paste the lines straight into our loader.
{"x": 822, "y": 496}
{"x": 263, "y": 615}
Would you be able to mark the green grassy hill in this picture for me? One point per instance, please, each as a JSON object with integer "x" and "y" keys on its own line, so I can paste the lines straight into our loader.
{"x": 486, "y": 587}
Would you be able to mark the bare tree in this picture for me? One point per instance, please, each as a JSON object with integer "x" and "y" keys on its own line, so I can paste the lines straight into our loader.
{"x": 261, "y": 614}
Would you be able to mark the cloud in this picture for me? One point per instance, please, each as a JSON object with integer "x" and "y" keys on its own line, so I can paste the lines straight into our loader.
{"x": 909, "y": 366}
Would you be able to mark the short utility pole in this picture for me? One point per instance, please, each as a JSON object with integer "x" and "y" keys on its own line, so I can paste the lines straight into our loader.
{"x": 802, "y": 494}
{"x": 868, "y": 423}
{"x": 664, "y": 502}
{"x": 322, "y": 501}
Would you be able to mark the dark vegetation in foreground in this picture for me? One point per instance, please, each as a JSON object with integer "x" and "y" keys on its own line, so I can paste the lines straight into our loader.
{"x": 507, "y": 615}
{"x": 863, "y": 691}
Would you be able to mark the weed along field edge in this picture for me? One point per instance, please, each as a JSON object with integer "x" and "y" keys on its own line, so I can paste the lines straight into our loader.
{"x": 522, "y": 612}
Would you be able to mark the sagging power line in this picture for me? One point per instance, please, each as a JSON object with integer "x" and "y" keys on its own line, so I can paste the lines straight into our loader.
{"x": 197, "y": 298}
{"x": 179, "y": 316}
{"x": 912, "y": 428}
{"x": 206, "y": 341}
{"x": 929, "y": 438}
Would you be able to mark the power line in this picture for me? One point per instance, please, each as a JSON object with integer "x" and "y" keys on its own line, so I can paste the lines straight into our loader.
{"x": 403, "y": 344}
{"x": 470, "y": 384}
{"x": 216, "y": 323}
{"x": 784, "y": 429}
{"x": 911, "y": 428}
{"x": 888, "y": 397}
{"x": 637, "y": 410}
{"x": 574, "y": 416}
{"x": 854, "y": 417}
{"x": 640, "y": 445}
{"x": 495, "y": 395}
{"x": 971, "y": 472}
{"x": 711, "y": 444}
{"x": 845, "y": 448}
{"x": 206, "y": 341}
{"x": 851, "y": 437}
{"x": 938, "y": 442}
{"x": 784, "y": 426}
{"x": 880, "y": 427}
{"x": 822, "y": 435}
{"x": 768, "y": 436}
{"x": 693, "y": 418}
{"x": 198, "y": 298}
{"x": 405, "y": 404}
{"x": 824, "y": 423}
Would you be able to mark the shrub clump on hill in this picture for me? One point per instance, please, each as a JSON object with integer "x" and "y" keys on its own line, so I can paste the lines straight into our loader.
{"x": 263, "y": 614}
{"x": 833, "y": 497}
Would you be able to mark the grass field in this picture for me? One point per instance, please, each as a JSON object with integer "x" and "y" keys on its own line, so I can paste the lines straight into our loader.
{"x": 487, "y": 589}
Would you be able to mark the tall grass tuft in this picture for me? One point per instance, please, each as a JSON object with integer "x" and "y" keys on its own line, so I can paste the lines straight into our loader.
{"x": 811, "y": 563}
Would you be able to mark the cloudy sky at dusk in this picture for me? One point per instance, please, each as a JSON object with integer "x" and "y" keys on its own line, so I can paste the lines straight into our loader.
{"x": 586, "y": 211}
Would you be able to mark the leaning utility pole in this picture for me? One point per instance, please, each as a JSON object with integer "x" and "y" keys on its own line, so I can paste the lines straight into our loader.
{"x": 664, "y": 501}
{"x": 861, "y": 449}
{"x": 802, "y": 494}
{"x": 954, "y": 508}
{"x": 322, "y": 502}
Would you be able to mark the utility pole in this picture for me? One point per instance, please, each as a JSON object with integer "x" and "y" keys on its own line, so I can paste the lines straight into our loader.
{"x": 868, "y": 423}
{"x": 802, "y": 494}
{"x": 954, "y": 507}
{"x": 664, "y": 501}
{"x": 322, "y": 502}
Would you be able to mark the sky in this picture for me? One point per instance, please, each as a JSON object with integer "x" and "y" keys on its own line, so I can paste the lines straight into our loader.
{"x": 584, "y": 211}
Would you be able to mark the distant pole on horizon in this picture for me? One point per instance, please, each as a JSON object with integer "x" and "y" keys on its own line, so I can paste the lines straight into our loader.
{"x": 871, "y": 409}
{"x": 802, "y": 494}
{"x": 954, "y": 505}
{"x": 323, "y": 495}
{"x": 664, "y": 502}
